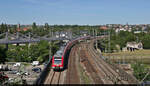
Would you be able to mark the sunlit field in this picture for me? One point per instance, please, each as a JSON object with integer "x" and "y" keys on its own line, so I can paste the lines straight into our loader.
{"x": 127, "y": 56}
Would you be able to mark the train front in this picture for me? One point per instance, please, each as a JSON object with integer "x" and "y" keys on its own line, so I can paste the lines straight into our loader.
{"x": 57, "y": 61}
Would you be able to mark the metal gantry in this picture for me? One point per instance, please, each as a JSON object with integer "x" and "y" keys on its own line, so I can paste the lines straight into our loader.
{"x": 18, "y": 38}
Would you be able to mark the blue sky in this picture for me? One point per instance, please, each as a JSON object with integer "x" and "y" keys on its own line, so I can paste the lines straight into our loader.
{"x": 75, "y": 11}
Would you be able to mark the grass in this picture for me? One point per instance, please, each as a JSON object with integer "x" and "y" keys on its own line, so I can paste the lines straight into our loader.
{"x": 127, "y": 56}
{"x": 84, "y": 76}
{"x": 26, "y": 64}
{"x": 143, "y": 53}
{"x": 138, "y": 56}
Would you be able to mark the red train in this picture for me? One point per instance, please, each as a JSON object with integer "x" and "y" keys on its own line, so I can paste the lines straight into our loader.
{"x": 60, "y": 58}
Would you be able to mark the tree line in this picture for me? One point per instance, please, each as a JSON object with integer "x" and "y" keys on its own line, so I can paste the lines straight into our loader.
{"x": 40, "y": 50}
{"x": 122, "y": 38}
{"x": 28, "y": 53}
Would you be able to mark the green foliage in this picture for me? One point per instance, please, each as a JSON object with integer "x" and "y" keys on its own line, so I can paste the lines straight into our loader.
{"x": 43, "y": 51}
{"x": 140, "y": 71}
{"x": 148, "y": 29}
{"x": 34, "y": 26}
{"x": 36, "y": 51}
{"x": 18, "y": 53}
{"x": 39, "y": 31}
{"x": 123, "y": 37}
{"x": 46, "y": 26}
{"x": 2, "y": 55}
{"x": 54, "y": 48}
{"x": 29, "y": 53}
{"x": 3, "y": 28}
{"x": 146, "y": 41}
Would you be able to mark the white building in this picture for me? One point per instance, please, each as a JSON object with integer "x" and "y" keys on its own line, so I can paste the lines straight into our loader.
{"x": 134, "y": 45}
{"x": 120, "y": 29}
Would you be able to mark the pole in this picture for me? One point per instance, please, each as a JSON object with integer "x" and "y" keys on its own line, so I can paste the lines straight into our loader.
{"x": 50, "y": 51}
{"x": 145, "y": 77}
{"x": 109, "y": 42}
{"x": 52, "y": 31}
{"x": 96, "y": 39}
{"x": 93, "y": 32}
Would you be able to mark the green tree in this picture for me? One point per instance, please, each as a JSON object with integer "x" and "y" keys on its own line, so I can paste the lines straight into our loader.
{"x": 34, "y": 26}
{"x": 43, "y": 48}
{"x": 46, "y": 26}
{"x": 3, "y": 28}
{"x": 140, "y": 71}
{"x": 148, "y": 29}
{"x": 146, "y": 41}
{"x": 3, "y": 55}
{"x": 54, "y": 47}
{"x": 13, "y": 29}
{"x": 123, "y": 37}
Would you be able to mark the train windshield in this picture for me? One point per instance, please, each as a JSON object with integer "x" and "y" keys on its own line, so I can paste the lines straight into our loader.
{"x": 57, "y": 61}
{"x": 57, "y": 57}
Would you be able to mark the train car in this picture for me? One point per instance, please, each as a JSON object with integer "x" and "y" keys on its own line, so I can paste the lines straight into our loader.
{"x": 60, "y": 55}
{"x": 57, "y": 60}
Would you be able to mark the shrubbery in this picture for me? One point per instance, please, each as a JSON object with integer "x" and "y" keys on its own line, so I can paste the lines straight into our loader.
{"x": 39, "y": 51}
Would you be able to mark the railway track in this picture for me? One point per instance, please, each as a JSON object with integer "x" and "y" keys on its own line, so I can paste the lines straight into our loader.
{"x": 110, "y": 74}
{"x": 68, "y": 76}
{"x": 107, "y": 73}
{"x": 55, "y": 77}
{"x": 88, "y": 66}
{"x": 101, "y": 72}
{"x": 117, "y": 75}
{"x": 98, "y": 70}
{"x": 72, "y": 76}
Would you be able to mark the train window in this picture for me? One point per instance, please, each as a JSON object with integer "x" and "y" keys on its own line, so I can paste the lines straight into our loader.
{"x": 57, "y": 57}
{"x": 57, "y": 62}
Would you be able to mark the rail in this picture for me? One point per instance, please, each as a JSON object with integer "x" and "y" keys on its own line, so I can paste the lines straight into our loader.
{"x": 44, "y": 73}
{"x": 122, "y": 73}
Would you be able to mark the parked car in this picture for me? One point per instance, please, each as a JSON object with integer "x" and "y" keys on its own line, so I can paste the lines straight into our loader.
{"x": 17, "y": 64}
{"x": 35, "y": 63}
{"x": 18, "y": 73}
{"x": 26, "y": 73}
{"x": 3, "y": 76}
{"x": 37, "y": 69}
{"x": 10, "y": 80}
{"x": 13, "y": 72}
{"x": 0, "y": 66}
